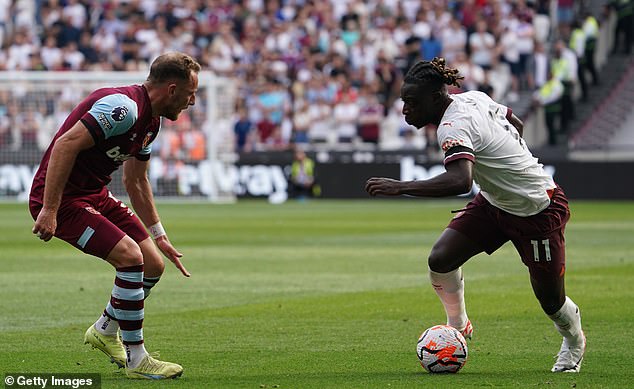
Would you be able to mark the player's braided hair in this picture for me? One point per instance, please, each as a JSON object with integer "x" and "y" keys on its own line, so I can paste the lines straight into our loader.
{"x": 433, "y": 73}
{"x": 172, "y": 65}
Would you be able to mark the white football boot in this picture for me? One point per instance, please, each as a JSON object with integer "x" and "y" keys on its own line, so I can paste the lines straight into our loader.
{"x": 570, "y": 356}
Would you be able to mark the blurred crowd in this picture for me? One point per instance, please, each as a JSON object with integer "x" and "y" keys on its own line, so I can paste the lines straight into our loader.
{"x": 307, "y": 72}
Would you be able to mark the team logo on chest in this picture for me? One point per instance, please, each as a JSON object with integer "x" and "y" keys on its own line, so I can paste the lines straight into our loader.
{"x": 119, "y": 113}
{"x": 146, "y": 140}
{"x": 92, "y": 210}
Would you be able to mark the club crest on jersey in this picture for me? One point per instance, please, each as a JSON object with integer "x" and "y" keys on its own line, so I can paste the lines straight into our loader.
{"x": 92, "y": 210}
{"x": 146, "y": 140}
{"x": 119, "y": 113}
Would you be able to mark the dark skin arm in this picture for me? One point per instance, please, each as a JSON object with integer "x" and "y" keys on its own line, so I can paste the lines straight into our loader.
{"x": 457, "y": 180}
{"x": 517, "y": 123}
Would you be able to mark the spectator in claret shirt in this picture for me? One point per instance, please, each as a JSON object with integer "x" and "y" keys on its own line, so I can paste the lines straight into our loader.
{"x": 370, "y": 117}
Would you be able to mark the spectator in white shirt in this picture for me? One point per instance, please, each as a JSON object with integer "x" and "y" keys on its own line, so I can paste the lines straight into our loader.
{"x": 346, "y": 113}
{"x": 540, "y": 65}
{"x": 75, "y": 12}
{"x": 51, "y": 54}
{"x": 73, "y": 57}
{"x": 320, "y": 129}
{"x": 19, "y": 51}
{"x": 454, "y": 40}
{"x": 525, "y": 44}
{"x": 473, "y": 73}
{"x": 482, "y": 45}
{"x": 511, "y": 56}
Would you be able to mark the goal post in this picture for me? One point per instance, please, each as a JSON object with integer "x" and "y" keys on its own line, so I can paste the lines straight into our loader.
{"x": 33, "y": 106}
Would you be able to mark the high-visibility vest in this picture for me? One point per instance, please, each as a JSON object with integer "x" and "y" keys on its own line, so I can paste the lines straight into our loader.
{"x": 308, "y": 171}
{"x": 560, "y": 68}
{"x": 578, "y": 41}
{"x": 591, "y": 28}
{"x": 550, "y": 93}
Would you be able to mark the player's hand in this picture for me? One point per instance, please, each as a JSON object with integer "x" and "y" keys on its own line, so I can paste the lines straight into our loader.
{"x": 383, "y": 186}
{"x": 45, "y": 224}
{"x": 171, "y": 253}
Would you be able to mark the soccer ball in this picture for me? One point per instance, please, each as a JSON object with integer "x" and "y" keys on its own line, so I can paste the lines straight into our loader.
{"x": 442, "y": 349}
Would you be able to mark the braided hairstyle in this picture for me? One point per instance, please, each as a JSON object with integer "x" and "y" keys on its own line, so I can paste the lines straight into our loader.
{"x": 433, "y": 74}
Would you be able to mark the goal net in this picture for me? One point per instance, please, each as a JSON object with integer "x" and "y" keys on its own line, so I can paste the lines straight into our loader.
{"x": 186, "y": 156}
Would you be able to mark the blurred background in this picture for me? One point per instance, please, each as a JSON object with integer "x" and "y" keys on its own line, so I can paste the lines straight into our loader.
{"x": 300, "y": 98}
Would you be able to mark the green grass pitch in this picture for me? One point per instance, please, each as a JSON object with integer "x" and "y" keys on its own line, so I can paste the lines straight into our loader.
{"x": 322, "y": 294}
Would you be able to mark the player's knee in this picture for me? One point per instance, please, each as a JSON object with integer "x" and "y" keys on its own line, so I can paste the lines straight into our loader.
{"x": 158, "y": 267}
{"x": 438, "y": 262}
{"x": 126, "y": 253}
{"x": 132, "y": 257}
{"x": 152, "y": 259}
{"x": 550, "y": 306}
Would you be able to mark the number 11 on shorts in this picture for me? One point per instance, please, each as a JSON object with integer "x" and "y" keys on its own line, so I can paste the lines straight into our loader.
{"x": 546, "y": 244}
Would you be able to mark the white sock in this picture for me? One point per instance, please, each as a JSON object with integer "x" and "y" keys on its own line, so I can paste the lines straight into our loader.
{"x": 136, "y": 352}
{"x": 568, "y": 321}
{"x": 106, "y": 326}
{"x": 450, "y": 288}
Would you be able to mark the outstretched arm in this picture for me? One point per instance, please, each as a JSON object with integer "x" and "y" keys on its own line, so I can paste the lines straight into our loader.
{"x": 139, "y": 189}
{"x": 457, "y": 180}
{"x": 60, "y": 165}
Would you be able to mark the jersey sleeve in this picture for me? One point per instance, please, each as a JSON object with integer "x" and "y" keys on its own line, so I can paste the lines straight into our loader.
{"x": 456, "y": 141}
{"x": 145, "y": 152}
{"x": 110, "y": 116}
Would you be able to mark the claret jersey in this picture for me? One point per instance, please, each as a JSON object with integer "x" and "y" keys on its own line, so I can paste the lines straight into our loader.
{"x": 477, "y": 128}
{"x": 121, "y": 123}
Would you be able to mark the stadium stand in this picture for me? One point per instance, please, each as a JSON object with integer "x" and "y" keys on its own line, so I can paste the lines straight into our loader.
{"x": 608, "y": 112}
{"x": 305, "y": 68}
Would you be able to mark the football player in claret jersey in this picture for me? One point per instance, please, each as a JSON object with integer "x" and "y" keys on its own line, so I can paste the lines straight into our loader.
{"x": 518, "y": 201}
{"x": 69, "y": 200}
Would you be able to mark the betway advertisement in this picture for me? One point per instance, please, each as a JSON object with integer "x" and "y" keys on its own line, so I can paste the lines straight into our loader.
{"x": 340, "y": 175}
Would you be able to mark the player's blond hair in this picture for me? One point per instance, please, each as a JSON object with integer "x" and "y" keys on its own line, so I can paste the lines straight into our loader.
{"x": 172, "y": 65}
